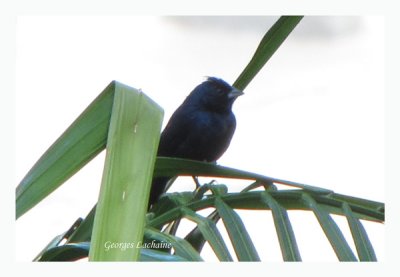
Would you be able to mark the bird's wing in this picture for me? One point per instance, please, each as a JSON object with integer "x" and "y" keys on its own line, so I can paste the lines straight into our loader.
{"x": 185, "y": 131}
{"x": 175, "y": 133}
{"x": 196, "y": 135}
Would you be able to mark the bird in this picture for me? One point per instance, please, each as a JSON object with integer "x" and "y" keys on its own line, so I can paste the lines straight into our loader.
{"x": 200, "y": 129}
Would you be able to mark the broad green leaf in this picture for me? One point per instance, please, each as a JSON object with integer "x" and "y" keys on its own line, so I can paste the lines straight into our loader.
{"x": 237, "y": 232}
{"x": 284, "y": 230}
{"x": 363, "y": 245}
{"x": 80, "y": 143}
{"x": 131, "y": 152}
{"x": 332, "y": 231}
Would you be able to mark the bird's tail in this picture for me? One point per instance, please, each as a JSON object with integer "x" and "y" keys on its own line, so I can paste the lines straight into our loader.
{"x": 158, "y": 187}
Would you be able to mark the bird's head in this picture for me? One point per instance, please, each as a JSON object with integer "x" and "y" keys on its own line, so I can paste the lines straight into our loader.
{"x": 216, "y": 95}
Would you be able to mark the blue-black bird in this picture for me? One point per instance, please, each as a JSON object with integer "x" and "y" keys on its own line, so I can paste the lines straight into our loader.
{"x": 200, "y": 129}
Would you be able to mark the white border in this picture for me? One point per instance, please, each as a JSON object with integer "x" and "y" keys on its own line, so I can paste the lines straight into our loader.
{"x": 7, "y": 73}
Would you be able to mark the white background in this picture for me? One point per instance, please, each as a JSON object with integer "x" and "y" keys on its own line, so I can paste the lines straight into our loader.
{"x": 314, "y": 114}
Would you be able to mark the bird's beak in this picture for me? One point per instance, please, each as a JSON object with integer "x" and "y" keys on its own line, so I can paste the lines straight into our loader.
{"x": 235, "y": 93}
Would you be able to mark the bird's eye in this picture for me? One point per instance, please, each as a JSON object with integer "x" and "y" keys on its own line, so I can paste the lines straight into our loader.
{"x": 219, "y": 90}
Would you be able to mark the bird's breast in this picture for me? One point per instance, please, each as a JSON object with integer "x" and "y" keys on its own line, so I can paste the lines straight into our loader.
{"x": 215, "y": 132}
